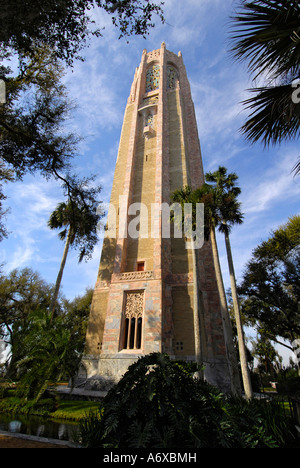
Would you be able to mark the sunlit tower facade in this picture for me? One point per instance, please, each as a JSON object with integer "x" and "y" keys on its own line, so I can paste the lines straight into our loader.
{"x": 151, "y": 290}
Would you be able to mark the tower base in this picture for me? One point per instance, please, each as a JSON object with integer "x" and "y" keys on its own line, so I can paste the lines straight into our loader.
{"x": 102, "y": 373}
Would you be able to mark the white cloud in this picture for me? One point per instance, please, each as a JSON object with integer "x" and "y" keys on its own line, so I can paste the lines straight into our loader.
{"x": 186, "y": 21}
{"x": 275, "y": 185}
{"x": 97, "y": 101}
{"x": 32, "y": 202}
{"x": 32, "y": 244}
{"x": 21, "y": 256}
{"x": 217, "y": 100}
{"x": 268, "y": 198}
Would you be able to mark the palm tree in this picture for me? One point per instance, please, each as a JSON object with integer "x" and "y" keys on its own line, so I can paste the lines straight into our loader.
{"x": 50, "y": 354}
{"x": 206, "y": 195}
{"x": 210, "y": 198}
{"x": 80, "y": 224}
{"x": 228, "y": 209}
{"x": 267, "y": 34}
{"x": 182, "y": 196}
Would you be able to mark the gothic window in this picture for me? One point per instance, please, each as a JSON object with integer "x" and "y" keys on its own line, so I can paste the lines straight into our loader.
{"x": 133, "y": 319}
{"x": 152, "y": 78}
{"x": 172, "y": 77}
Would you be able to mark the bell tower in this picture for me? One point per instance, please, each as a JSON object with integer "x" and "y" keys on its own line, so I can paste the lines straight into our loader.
{"x": 152, "y": 293}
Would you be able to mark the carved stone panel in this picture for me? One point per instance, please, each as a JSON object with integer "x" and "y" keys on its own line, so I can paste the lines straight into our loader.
{"x": 133, "y": 276}
{"x": 134, "y": 304}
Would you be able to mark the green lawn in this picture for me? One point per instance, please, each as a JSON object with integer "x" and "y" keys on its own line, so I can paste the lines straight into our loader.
{"x": 74, "y": 410}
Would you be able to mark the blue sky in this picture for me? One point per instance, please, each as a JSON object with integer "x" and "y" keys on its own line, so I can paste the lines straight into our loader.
{"x": 100, "y": 86}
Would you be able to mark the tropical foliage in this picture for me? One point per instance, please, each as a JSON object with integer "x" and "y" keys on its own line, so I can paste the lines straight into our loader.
{"x": 80, "y": 222}
{"x": 266, "y": 34}
{"x": 49, "y": 355}
{"x": 42, "y": 349}
{"x": 22, "y": 293}
{"x": 270, "y": 284}
{"x": 159, "y": 404}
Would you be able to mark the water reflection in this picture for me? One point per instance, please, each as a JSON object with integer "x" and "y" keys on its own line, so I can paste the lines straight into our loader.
{"x": 32, "y": 425}
{"x": 14, "y": 426}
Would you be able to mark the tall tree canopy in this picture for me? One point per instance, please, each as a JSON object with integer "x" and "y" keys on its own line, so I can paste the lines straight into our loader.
{"x": 221, "y": 211}
{"x": 22, "y": 293}
{"x": 271, "y": 284}
{"x": 31, "y": 120}
{"x": 38, "y": 345}
{"x": 33, "y": 137}
{"x": 65, "y": 25}
{"x": 5, "y": 176}
{"x": 44, "y": 36}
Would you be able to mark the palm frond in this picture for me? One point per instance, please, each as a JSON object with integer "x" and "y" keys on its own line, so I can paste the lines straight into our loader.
{"x": 63, "y": 234}
{"x": 267, "y": 34}
{"x": 275, "y": 116}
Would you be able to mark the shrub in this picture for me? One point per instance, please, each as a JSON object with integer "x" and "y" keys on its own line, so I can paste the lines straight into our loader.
{"x": 157, "y": 404}
{"x": 289, "y": 383}
{"x": 263, "y": 423}
{"x": 18, "y": 405}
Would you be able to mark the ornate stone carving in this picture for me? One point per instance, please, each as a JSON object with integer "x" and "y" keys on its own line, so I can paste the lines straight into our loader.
{"x": 133, "y": 276}
{"x": 134, "y": 305}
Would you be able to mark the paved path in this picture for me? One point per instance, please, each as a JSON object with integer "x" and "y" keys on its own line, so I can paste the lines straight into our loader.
{"x": 93, "y": 394}
{"x": 9, "y": 440}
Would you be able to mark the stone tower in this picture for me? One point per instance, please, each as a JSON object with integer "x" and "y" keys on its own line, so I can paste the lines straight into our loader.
{"x": 144, "y": 298}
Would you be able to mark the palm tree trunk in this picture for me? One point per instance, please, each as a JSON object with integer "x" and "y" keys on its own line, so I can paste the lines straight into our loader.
{"x": 240, "y": 333}
{"x": 59, "y": 276}
{"x": 233, "y": 365}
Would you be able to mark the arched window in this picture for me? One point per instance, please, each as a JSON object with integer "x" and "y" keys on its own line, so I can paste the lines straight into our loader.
{"x": 133, "y": 320}
{"x": 152, "y": 78}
